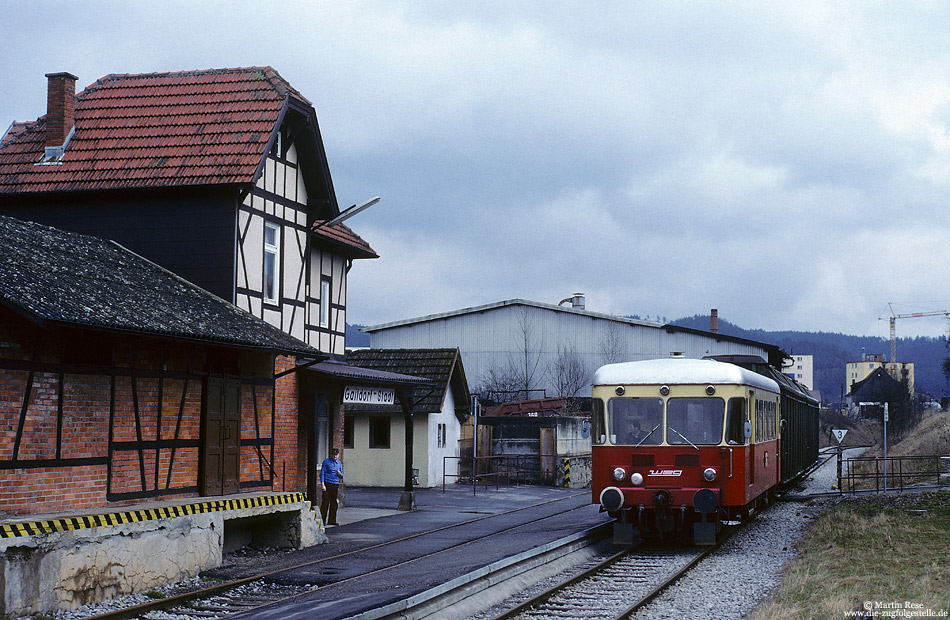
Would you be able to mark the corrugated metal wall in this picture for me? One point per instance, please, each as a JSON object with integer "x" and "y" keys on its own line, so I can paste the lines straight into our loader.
{"x": 498, "y": 335}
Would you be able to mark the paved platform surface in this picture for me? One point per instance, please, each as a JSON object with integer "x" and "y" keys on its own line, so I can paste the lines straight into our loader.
{"x": 370, "y": 517}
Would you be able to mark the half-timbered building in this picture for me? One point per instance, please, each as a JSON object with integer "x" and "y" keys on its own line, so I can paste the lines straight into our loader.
{"x": 219, "y": 176}
{"x": 121, "y": 383}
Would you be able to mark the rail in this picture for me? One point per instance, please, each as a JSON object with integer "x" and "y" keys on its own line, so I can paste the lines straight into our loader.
{"x": 892, "y": 473}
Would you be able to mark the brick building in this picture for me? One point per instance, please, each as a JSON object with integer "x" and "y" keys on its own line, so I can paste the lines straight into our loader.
{"x": 122, "y": 383}
{"x": 219, "y": 177}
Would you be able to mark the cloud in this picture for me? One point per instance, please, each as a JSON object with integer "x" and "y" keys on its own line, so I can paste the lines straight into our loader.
{"x": 787, "y": 164}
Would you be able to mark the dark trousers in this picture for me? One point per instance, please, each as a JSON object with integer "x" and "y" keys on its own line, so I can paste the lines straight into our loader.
{"x": 328, "y": 504}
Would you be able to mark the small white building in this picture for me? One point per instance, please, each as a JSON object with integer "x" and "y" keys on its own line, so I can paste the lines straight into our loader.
{"x": 538, "y": 349}
{"x": 374, "y": 437}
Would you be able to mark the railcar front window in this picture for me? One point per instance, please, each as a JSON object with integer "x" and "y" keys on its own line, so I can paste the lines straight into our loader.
{"x": 636, "y": 421}
{"x": 696, "y": 421}
{"x": 598, "y": 435}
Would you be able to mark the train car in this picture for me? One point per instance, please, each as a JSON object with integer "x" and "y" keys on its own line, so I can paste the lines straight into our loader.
{"x": 682, "y": 444}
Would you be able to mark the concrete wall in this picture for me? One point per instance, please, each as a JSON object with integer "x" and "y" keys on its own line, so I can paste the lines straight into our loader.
{"x": 62, "y": 570}
{"x": 521, "y": 436}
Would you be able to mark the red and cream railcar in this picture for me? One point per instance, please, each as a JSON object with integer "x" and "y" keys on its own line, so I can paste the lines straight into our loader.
{"x": 679, "y": 444}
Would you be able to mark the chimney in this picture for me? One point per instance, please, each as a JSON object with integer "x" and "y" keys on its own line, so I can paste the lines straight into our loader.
{"x": 578, "y": 302}
{"x": 60, "y": 108}
{"x": 714, "y": 321}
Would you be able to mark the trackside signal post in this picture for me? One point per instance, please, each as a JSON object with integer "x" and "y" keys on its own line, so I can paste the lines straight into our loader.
{"x": 839, "y": 435}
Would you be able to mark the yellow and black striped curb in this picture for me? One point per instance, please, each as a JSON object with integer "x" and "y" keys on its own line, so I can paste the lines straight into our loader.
{"x": 567, "y": 472}
{"x": 33, "y": 528}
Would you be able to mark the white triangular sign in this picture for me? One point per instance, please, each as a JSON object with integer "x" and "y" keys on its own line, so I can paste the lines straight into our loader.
{"x": 839, "y": 434}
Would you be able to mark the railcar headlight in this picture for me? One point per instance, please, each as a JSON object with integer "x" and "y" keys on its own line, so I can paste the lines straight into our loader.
{"x": 619, "y": 474}
{"x": 709, "y": 474}
{"x": 636, "y": 479}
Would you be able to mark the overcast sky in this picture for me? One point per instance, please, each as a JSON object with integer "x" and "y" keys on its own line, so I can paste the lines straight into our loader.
{"x": 786, "y": 163}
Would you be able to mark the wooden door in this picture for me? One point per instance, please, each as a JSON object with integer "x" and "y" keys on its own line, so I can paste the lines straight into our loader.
{"x": 221, "y": 439}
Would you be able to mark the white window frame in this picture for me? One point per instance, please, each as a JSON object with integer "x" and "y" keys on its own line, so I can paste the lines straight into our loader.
{"x": 324, "y": 302}
{"x": 271, "y": 258}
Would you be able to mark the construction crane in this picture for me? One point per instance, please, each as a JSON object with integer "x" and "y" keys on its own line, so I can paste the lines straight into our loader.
{"x": 894, "y": 318}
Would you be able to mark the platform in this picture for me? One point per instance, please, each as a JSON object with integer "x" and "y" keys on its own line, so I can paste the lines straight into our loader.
{"x": 368, "y": 519}
{"x": 59, "y": 561}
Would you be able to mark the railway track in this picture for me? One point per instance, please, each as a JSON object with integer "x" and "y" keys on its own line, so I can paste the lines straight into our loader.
{"x": 286, "y": 585}
{"x": 616, "y": 587}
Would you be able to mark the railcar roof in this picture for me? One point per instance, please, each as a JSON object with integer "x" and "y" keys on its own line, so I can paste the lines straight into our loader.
{"x": 680, "y": 371}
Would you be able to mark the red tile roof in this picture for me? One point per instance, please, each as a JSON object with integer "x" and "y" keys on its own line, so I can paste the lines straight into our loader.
{"x": 154, "y": 130}
{"x": 343, "y": 235}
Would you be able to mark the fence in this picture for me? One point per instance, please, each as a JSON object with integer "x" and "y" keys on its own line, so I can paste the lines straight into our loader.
{"x": 516, "y": 469}
{"x": 866, "y": 473}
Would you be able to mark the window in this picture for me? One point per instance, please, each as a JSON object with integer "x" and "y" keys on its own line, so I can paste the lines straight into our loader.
{"x": 271, "y": 262}
{"x": 598, "y": 435}
{"x": 694, "y": 420}
{"x": 379, "y": 432}
{"x": 325, "y": 303}
{"x": 766, "y": 420}
{"x": 629, "y": 415}
{"x": 735, "y": 422}
{"x": 440, "y": 435}
{"x": 348, "y": 422}
{"x": 277, "y": 150}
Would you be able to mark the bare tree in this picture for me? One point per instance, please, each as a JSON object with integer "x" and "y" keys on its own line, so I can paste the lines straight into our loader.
{"x": 499, "y": 382}
{"x": 613, "y": 349}
{"x": 567, "y": 372}
{"x": 526, "y": 360}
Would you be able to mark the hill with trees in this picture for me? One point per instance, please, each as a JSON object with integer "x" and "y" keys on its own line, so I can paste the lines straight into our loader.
{"x": 833, "y": 351}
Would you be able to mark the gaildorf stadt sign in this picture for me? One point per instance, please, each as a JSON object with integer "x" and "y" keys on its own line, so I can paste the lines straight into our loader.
{"x": 362, "y": 395}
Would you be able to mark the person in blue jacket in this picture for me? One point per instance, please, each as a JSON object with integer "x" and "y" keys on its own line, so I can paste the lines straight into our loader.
{"x": 331, "y": 472}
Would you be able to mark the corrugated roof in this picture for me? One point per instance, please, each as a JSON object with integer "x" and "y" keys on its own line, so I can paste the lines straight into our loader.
{"x": 502, "y": 304}
{"x": 778, "y": 354}
{"x": 50, "y": 275}
{"x": 155, "y": 130}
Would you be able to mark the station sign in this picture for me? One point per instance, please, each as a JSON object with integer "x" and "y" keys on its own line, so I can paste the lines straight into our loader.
{"x": 362, "y": 395}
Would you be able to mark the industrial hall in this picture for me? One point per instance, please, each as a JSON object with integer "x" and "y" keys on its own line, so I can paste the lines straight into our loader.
{"x": 172, "y": 356}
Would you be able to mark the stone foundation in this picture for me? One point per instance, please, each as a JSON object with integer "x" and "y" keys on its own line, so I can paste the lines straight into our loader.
{"x": 43, "y": 572}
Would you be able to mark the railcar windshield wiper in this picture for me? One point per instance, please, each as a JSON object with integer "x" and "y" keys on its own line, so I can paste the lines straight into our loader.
{"x": 645, "y": 437}
{"x": 684, "y": 438}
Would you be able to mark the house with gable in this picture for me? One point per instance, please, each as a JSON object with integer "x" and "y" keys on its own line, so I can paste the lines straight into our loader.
{"x": 221, "y": 177}
{"x": 375, "y": 436}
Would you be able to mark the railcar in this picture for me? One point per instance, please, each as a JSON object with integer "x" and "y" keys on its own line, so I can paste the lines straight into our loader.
{"x": 680, "y": 445}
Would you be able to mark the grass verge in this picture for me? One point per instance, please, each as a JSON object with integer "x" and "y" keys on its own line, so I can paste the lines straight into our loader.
{"x": 883, "y": 553}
